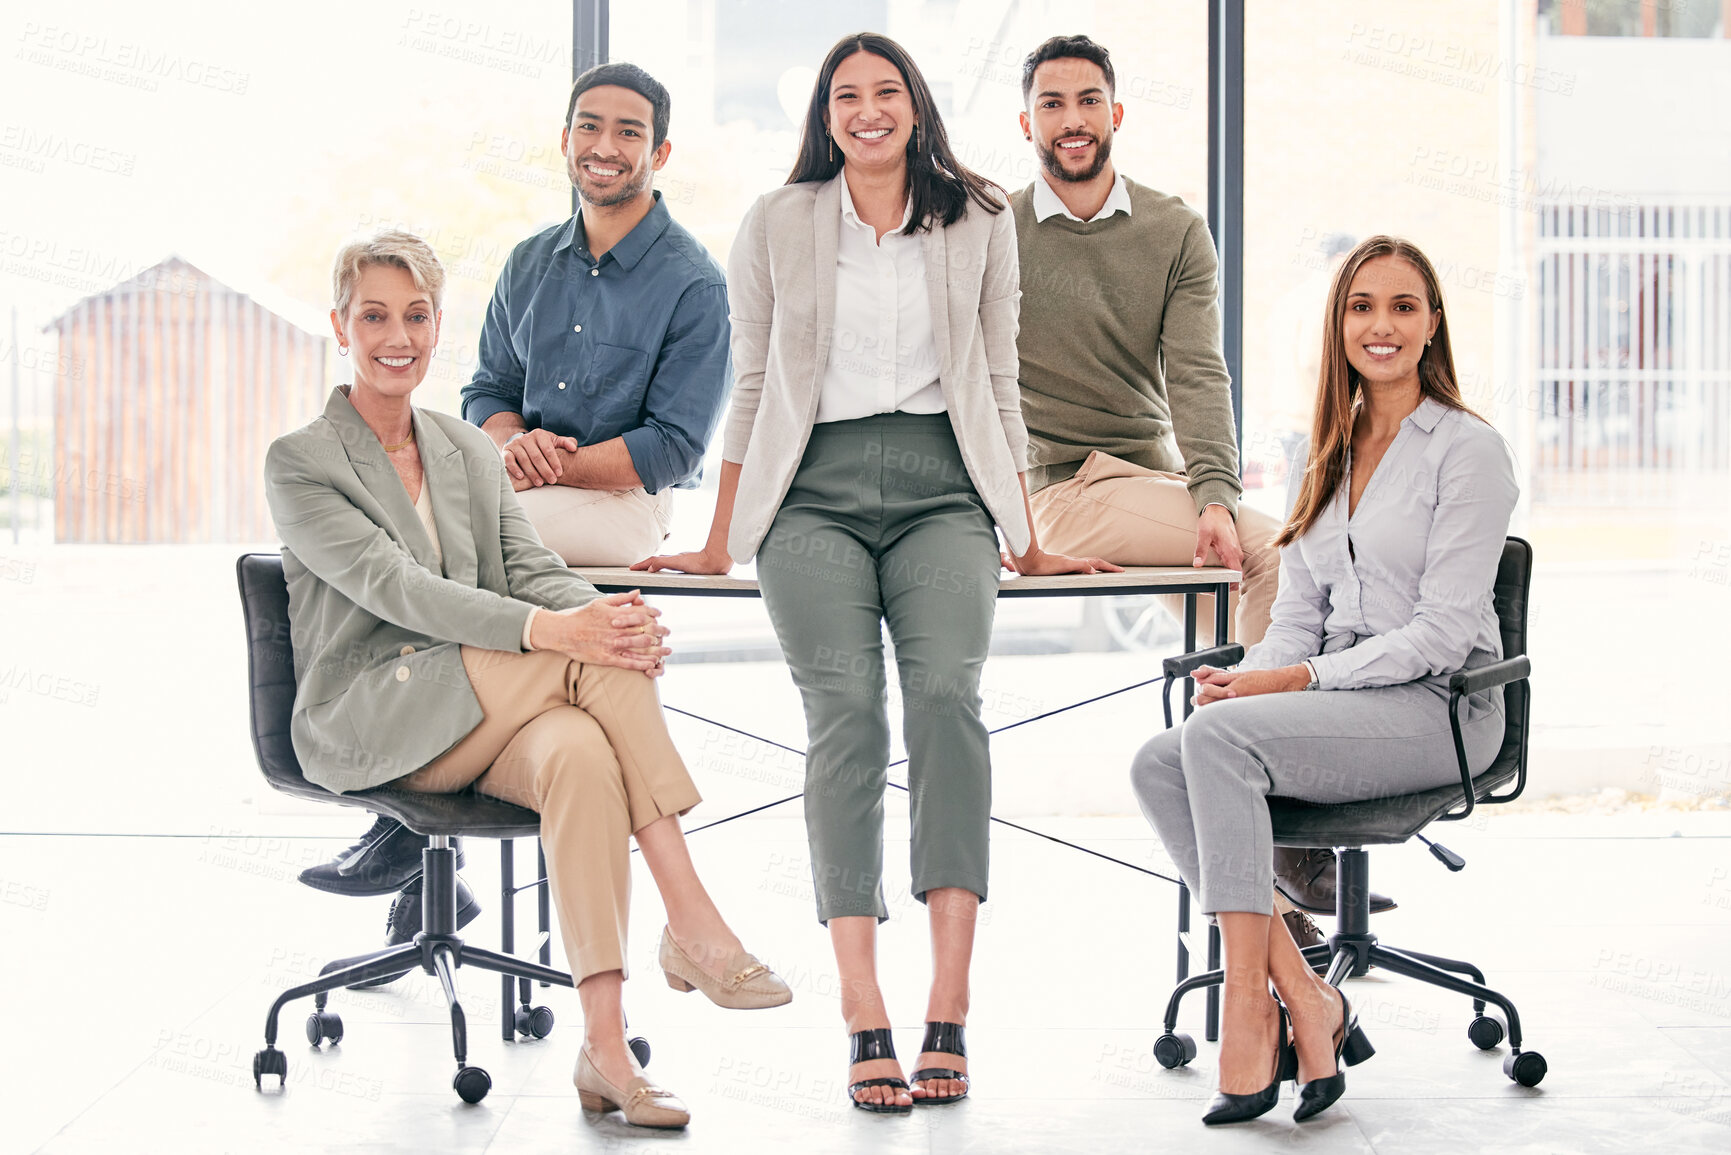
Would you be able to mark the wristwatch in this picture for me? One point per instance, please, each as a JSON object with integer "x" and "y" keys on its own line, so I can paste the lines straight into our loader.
{"x": 1314, "y": 682}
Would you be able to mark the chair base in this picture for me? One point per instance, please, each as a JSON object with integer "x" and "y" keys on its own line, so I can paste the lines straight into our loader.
{"x": 438, "y": 951}
{"x": 1351, "y": 952}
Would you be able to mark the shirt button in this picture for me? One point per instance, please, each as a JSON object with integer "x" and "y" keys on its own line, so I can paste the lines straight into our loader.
{"x": 402, "y": 673}
{"x": 561, "y": 384}
{"x": 576, "y": 328}
{"x": 594, "y": 272}
{"x": 405, "y": 651}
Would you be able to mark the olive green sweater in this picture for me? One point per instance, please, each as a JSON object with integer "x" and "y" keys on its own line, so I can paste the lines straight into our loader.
{"x": 1120, "y": 344}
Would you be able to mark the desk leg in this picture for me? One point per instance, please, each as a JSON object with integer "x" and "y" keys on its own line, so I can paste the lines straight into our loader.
{"x": 507, "y": 934}
{"x": 1189, "y": 648}
{"x": 1211, "y": 1027}
{"x": 1183, "y": 930}
{"x": 544, "y": 913}
{"x": 1213, "y": 1023}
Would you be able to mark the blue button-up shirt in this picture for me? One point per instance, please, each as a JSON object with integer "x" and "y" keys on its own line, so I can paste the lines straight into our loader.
{"x": 1400, "y": 589}
{"x": 634, "y": 345}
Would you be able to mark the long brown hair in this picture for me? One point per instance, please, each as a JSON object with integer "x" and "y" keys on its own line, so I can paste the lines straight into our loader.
{"x": 1338, "y": 388}
{"x": 939, "y": 185}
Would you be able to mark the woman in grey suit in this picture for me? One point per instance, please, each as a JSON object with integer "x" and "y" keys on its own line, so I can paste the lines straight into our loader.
{"x": 1386, "y": 570}
{"x": 441, "y": 647}
{"x": 875, "y": 438}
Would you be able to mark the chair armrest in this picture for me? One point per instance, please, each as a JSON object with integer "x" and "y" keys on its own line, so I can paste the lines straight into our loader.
{"x": 1186, "y": 664}
{"x": 1472, "y": 682}
{"x": 1482, "y": 678}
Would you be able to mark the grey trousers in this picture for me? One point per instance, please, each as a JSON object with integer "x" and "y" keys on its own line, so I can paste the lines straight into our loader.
{"x": 882, "y": 525}
{"x": 1204, "y": 783}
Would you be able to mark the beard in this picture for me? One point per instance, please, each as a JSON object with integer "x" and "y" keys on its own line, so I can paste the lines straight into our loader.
{"x": 628, "y": 189}
{"x": 1055, "y": 167}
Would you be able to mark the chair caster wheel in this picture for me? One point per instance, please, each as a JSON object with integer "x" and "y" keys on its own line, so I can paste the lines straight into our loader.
{"x": 1174, "y": 1050}
{"x": 535, "y": 1021}
{"x": 1525, "y": 1067}
{"x": 640, "y": 1048}
{"x": 471, "y": 1084}
{"x": 323, "y": 1026}
{"x": 1485, "y": 1032}
{"x": 269, "y": 1061}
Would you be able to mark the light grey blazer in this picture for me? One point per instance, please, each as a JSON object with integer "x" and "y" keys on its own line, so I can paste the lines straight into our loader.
{"x": 380, "y": 688}
{"x": 781, "y": 288}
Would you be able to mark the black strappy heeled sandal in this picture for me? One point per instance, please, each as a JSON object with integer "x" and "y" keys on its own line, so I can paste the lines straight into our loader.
{"x": 864, "y": 1046}
{"x": 944, "y": 1039}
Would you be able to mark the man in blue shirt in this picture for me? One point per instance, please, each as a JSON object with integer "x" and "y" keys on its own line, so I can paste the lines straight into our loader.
{"x": 603, "y": 372}
{"x": 604, "y": 357}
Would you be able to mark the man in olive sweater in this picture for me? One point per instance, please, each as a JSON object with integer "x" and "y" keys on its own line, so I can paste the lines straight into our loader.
{"x": 1132, "y": 448}
{"x": 1132, "y": 453}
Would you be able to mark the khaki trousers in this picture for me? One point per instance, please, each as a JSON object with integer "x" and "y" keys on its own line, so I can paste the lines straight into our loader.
{"x": 599, "y": 526}
{"x": 1135, "y": 516}
{"x": 585, "y": 747}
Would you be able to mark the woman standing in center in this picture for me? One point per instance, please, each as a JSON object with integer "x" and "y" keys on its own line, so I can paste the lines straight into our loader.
{"x": 875, "y": 437}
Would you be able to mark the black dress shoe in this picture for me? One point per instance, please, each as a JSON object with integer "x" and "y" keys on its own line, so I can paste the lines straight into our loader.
{"x": 387, "y": 858}
{"x": 1307, "y": 879}
{"x": 403, "y": 923}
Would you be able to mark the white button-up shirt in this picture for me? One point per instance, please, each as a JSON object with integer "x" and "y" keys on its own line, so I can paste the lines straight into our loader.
{"x": 1047, "y": 204}
{"x": 1400, "y": 589}
{"x": 882, "y": 357}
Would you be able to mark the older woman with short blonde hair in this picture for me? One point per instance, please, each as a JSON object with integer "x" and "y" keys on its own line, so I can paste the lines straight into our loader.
{"x": 441, "y": 647}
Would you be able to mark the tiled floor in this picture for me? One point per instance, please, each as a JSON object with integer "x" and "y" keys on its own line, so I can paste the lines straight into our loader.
{"x": 138, "y": 971}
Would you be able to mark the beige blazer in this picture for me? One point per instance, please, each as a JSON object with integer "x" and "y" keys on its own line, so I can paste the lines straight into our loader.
{"x": 377, "y": 624}
{"x": 781, "y": 290}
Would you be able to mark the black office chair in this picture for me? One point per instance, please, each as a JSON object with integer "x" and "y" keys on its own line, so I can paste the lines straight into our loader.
{"x": 1349, "y": 827}
{"x": 437, "y": 950}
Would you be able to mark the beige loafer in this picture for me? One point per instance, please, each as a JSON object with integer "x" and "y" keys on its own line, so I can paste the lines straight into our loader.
{"x": 746, "y": 985}
{"x": 642, "y": 1102}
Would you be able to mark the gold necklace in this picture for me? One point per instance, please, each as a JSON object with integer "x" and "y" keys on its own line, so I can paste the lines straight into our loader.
{"x": 405, "y": 441}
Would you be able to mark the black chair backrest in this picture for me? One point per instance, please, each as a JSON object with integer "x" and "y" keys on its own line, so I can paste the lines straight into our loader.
{"x": 270, "y": 668}
{"x": 1514, "y": 583}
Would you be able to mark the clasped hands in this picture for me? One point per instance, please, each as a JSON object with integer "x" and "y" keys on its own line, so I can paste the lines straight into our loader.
{"x": 536, "y": 458}
{"x": 613, "y": 630}
{"x": 1216, "y": 685}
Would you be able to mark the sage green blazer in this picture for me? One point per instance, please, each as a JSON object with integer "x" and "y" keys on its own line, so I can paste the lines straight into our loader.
{"x": 377, "y": 625}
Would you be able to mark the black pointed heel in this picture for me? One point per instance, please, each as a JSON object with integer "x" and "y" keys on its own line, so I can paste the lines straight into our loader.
{"x": 864, "y": 1046}
{"x": 943, "y": 1039}
{"x": 1230, "y": 1108}
{"x": 1351, "y": 1047}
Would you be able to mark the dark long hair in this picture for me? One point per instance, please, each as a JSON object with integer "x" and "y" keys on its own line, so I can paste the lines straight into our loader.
{"x": 939, "y": 185}
{"x": 1339, "y": 388}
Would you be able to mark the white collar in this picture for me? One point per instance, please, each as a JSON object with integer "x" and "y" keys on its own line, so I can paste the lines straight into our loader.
{"x": 1047, "y": 204}
{"x": 850, "y": 215}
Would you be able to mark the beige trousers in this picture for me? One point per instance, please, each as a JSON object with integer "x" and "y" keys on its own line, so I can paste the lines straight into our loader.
{"x": 585, "y": 747}
{"x": 1135, "y": 516}
{"x": 599, "y": 526}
